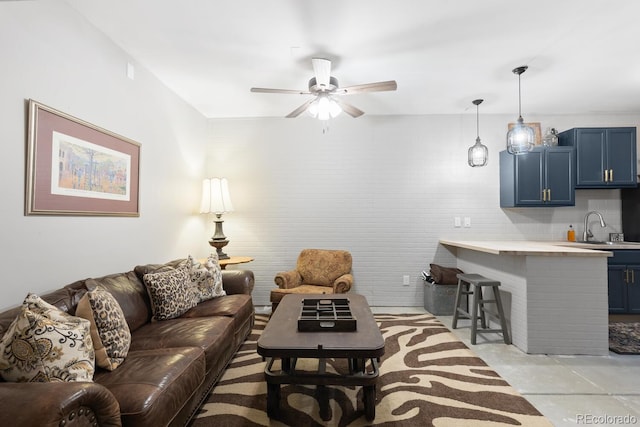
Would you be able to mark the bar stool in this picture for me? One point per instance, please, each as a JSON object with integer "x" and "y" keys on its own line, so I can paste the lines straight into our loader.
{"x": 471, "y": 285}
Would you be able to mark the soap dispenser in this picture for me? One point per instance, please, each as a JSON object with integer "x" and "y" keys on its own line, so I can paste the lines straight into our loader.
{"x": 571, "y": 234}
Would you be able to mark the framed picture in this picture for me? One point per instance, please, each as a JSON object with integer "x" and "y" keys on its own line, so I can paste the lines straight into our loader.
{"x": 536, "y": 130}
{"x": 76, "y": 168}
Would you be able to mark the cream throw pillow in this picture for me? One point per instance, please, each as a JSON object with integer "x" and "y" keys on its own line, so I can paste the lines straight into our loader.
{"x": 109, "y": 329}
{"x": 206, "y": 279}
{"x": 45, "y": 344}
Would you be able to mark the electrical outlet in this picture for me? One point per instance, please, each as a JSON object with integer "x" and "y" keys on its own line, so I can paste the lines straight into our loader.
{"x": 405, "y": 280}
{"x": 456, "y": 222}
{"x": 467, "y": 221}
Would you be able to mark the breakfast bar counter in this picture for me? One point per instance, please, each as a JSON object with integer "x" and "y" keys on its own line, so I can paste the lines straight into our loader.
{"x": 554, "y": 293}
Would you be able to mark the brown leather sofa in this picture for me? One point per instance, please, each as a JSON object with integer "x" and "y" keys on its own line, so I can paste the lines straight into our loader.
{"x": 169, "y": 370}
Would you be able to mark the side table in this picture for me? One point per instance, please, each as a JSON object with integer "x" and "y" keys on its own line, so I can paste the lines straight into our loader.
{"x": 229, "y": 261}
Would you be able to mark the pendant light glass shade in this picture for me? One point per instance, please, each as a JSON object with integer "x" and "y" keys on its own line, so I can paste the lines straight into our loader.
{"x": 478, "y": 153}
{"x": 520, "y": 138}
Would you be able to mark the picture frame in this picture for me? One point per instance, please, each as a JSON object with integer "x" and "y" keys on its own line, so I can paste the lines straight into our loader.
{"x": 536, "y": 129}
{"x": 77, "y": 168}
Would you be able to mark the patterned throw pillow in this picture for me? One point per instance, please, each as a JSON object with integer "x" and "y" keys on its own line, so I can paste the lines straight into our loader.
{"x": 45, "y": 344}
{"x": 206, "y": 279}
{"x": 109, "y": 330}
{"x": 170, "y": 292}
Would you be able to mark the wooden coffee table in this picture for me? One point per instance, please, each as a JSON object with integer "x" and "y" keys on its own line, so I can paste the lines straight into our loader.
{"x": 361, "y": 348}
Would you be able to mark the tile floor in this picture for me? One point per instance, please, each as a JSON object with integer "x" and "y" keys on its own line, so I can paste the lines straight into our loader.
{"x": 568, "y": 390}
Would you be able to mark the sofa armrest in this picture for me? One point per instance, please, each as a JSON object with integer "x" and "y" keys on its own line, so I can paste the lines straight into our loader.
{"x": 238, "y": 281}
{"x": 57, "y": 404}
{"x": 288, "y": 279}
{"x": 343, "y": 284}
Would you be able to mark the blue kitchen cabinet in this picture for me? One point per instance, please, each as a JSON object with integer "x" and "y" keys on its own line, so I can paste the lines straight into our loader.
{"x": 605, "y": 157}
{"x": 624, "y": 282}
{"x": 541, "y": 177}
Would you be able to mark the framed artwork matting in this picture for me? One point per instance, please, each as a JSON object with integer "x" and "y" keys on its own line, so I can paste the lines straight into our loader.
{"x": 76, "y": 168}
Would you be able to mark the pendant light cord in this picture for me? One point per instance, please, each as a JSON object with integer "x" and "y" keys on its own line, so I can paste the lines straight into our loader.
{"x": 519, "y": 98}
{"x": 477, "y": 121}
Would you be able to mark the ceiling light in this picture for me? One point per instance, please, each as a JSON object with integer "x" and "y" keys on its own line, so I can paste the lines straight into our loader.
{"x": 478, "y": 153}
{"x": 324, "y": 107}
{"x": 520, "y": 138}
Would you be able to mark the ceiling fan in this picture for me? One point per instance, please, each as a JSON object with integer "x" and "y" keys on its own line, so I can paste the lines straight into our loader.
{"x": 324, "y": 86}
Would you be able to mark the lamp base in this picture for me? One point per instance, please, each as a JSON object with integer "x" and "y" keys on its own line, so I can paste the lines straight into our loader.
{"x": 219, "y": 244}
{"x": 219, "y": 240}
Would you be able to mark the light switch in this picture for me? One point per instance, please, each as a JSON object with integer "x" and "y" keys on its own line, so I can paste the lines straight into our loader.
{"x": 456, "y": 222}
{"x": 467, "y": 221}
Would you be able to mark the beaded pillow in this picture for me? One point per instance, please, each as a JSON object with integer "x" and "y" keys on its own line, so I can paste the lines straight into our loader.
{"x": 170, "y": 292}
{"x": 45, "y": 344}
{"x": 109, "y": 330}
{"x": 206, "y": 280}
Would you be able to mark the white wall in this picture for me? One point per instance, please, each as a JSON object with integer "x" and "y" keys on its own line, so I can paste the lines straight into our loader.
{"x": 384, "y": 188}
{"x": 54, "y": 56}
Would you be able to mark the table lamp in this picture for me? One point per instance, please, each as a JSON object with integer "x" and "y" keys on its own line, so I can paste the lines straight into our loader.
{"x": 216, "y": 200}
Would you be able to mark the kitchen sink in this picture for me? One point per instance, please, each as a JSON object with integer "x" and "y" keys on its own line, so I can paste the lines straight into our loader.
{"x": 607, "y": 243}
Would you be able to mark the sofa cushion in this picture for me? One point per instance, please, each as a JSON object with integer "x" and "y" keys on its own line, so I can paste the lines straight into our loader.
{"x": 239, "y": 307}
{"x": 214, "y": 335}
{"x": 152, "y": 386}
{"x": 45, "y": 344}
{"x": 109, "y": 330}
{"x": 170, "y": 292}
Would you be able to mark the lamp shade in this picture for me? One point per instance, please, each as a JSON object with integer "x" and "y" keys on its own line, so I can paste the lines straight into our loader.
{"x": 215, "y": 196}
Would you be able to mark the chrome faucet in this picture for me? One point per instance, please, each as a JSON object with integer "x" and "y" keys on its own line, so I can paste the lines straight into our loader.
{"x": 587, "y": 234}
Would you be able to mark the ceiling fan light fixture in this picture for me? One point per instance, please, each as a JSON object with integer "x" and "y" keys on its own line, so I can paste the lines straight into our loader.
{"x": 324, "y": 108}
{"x": 520, "y": 138}
{"x": 478, "y": 153}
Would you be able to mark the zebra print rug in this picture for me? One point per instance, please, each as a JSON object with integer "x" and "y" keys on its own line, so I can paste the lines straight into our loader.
{"x": 427, "y": 378}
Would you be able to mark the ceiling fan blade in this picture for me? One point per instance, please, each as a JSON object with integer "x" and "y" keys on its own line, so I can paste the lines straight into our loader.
{"x": 291, "y": 91}
{"x": 301, "y": 109}
{"x": 349, "y": 109}
{"x": 368, "y": 87}
{"x": 322, "y": 70}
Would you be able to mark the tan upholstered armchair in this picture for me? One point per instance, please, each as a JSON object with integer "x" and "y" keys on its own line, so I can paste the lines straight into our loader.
{"x": 318, "y": 271}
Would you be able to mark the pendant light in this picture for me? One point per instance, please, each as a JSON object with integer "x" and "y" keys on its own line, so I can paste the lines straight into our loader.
{"x": 478, "y": 153}
{"x": 520, "y": 138}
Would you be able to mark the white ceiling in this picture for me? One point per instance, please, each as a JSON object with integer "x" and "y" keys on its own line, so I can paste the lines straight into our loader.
{"x": 583, "y": 55}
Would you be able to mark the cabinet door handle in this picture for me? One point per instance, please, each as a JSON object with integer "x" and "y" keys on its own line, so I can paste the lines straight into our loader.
{"x": 549, "y": 194}
{"x": 606, "y": 175}
{"x": 611, "y": 175}
{"x": 544, "y": 194}
{"x": 633, "y": 276}
{"x": 626, "y": 276}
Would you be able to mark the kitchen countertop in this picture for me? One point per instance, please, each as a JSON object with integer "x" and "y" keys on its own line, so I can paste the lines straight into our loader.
{"x": 547, "y": 287}
{"x": 539, "y": 248}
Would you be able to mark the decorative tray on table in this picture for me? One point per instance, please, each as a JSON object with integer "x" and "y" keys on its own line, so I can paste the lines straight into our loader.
{"x": 326, "y": 315}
